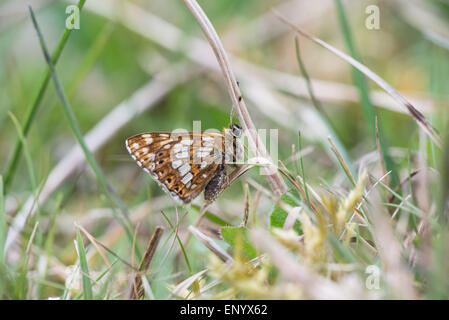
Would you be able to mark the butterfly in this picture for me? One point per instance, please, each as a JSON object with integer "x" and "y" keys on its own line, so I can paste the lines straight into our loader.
{"x": 185, "y": 164}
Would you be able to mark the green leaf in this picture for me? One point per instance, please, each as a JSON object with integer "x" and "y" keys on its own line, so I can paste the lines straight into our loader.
{"x": 233, "y": 235}
{"x": 278, "y": 215}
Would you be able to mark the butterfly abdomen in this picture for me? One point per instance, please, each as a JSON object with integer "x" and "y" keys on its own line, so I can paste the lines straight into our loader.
{"x": 213, "y": 188}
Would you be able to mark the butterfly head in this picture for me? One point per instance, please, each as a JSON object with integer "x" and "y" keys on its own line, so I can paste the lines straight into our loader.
{"x": 236, "y": 130}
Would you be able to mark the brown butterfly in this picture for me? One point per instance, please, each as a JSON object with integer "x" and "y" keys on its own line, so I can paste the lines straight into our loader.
{"x": 185, "y": 164}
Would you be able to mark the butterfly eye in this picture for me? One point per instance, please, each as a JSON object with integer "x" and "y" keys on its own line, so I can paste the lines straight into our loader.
{"x": 236, "y": 130}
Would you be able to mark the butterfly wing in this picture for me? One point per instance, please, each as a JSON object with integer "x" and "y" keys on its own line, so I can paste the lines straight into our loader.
{"x": 182, "y": 164}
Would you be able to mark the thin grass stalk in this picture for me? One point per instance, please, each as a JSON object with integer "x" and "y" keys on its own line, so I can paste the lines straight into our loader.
{"x": 303, "y": 174}
{"x": 316, "y": 103}
{"x": 28, "y": 159}
{"x": 2, "y": 225}
{"x": 443, "y": 203}
{"x": 137, "y": 289}
{"x": 49, "y": 242}
{"x": 174, "y": 230}
{"x": 31, "y": 112}
{"x": 375, "y": 128}
{"x": 112, "y": 195}
{"x": 381, "y": 159}
{"x": 87, "y": 285}
{"x": 342, "y": 162}
{"x": 274, "y": 180}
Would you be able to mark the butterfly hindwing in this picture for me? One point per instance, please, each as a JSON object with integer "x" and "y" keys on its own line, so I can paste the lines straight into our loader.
{"x": 182, "y": 164}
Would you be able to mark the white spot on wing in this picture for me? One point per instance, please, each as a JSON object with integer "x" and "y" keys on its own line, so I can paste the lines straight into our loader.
{"x": 187, "y": 142}
{"x": 164, "y": 142}
{"x": 180, "y": 148}
{"x": 184, "y": 169}
{"x": 182, "y": 155}
{"x": 187, "y": 178}
{"x": 175, "y": 164}
{"x": 208, "y": 144}
{"x": 203, "y": 154}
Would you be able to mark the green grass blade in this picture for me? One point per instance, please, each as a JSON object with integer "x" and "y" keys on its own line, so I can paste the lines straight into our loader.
{"x": 443, "y": 211}
{"x": 31, "y": 112}
{"x": 341, "y": 252}
{"x": 26, "y": 151}
{"x": 184, "y": 253}
{"x": 305, "y": 74}
{"x": 344, "y": 153}
{"x": 301, "y": 166}
{"x": 49, "y": 240}
{"x": 109, "y": 191}
{"x": 2, "y": 223}
{"x": 362, "y": 86}
{"x": 212, "y": 217}
{"x": 87, "y": 285}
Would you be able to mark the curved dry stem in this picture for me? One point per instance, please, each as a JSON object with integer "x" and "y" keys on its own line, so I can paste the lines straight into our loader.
{"x": 255, "y": 143}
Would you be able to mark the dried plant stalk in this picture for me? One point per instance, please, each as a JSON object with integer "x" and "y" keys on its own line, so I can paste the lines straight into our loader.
{"x": 211, "y": 245}
{"x": 274, "y": 180}
{"x": 137, "y": 290}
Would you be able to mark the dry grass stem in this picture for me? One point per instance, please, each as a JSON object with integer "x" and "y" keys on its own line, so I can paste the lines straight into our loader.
{"x": 255, "y": 143}
{"x": 137, "y": 289}
{"x": 210, "y": 244}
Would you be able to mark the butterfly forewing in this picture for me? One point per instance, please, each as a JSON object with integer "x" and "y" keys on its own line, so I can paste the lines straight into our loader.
{"x": 182, "y": 164}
